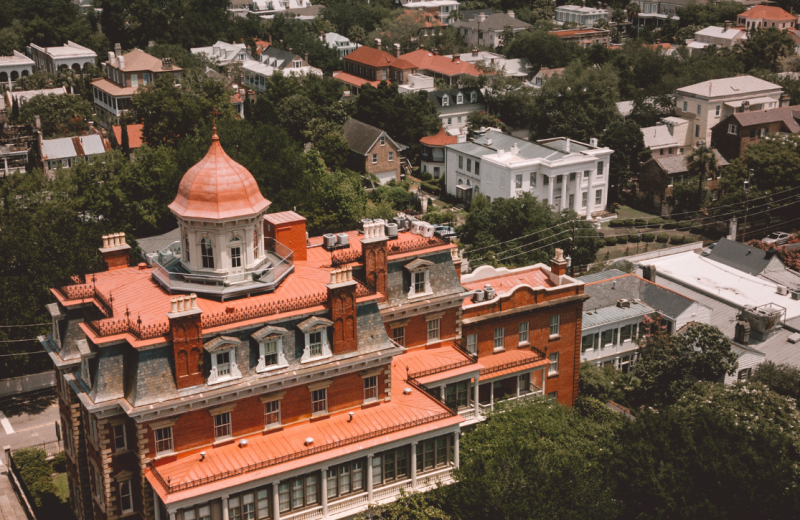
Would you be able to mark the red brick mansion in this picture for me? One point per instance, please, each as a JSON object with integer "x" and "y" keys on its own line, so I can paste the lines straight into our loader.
{"x": 249, "y": 372}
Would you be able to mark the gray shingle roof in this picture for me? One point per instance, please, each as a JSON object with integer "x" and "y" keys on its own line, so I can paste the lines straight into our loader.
{"x": 680, "y": 163}
{"x": 742, "y": 257}
{"x": 360, "y": 136}
{"x": 612, "y": 314}
{"x": 604, "y": 275}
{"x": 608, "y": 292}
{"x": 157, "y": 243}
{"x": 436, "y": 96}
{"x": 493, "y": 22}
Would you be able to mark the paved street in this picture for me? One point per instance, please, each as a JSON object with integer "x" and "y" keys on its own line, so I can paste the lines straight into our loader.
{"x": 28, "y": 419}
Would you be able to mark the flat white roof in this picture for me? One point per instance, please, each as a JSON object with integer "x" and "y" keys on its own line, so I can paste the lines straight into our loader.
{"x": 722, "y": 283}
{"x": 16, "y": 59}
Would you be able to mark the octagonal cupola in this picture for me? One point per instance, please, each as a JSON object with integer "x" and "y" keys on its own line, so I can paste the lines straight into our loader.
{"x": 222, "y": 250}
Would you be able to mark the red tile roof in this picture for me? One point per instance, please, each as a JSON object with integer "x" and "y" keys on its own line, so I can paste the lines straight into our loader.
{"x": 504, "y": 284}
{"x": 370, "y": 427}
{"x": 426, "y": 60}
{"x": 354, "y": 81}
{"x": 442, "y": 138}
{"x": 768, "y": 12}
{"x": 134, "y": 135}
{"x": 217, "y": 188}
{"x": 371, "y": 57}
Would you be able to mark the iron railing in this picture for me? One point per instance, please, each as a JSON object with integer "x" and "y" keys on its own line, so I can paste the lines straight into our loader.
{"x": 263, "y": 309}
{"x": 103, "y": 328}
{"x": 173, "y": 488}
{"x": 50, "y": 448}
{"x": 416, "y": 245}
{"x": 341, "y": 257}
{"x": 434, "y": 394}
{"x": 513, "y": 364}
{"x": 83, "y": 291}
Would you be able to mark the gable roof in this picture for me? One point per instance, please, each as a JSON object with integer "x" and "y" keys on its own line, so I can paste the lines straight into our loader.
{"x": 423, "y": 59}
{"x": 787, "y": 115}
{"x": 658, "y": 136}
{"x": 68, "y": 147}
{"x": 376, "y": 58}
{"x": 361, "y": 137}
{"x": 680, "y": 163}
{"x": 766, "y": 11}
{"x": 137, "y": 60}
{"x": 134, "y": 135}
{"x": 741, "y": 257}
{"x": 493, "y": 22}
{"x": 607, "y": 292}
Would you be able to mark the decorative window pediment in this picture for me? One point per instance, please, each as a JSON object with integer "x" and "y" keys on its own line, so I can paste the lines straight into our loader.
{"x": 270, "y": 348}
{"x": 317, "y": 345}
{"x": 420, "y": 271}
{"x": 223, "y": 359}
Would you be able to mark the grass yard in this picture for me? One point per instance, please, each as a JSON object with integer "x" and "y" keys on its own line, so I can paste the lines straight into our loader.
{"x": 62, "y": 487}
{"x": 621, "y": 250}
{"x": 626, "y": 212}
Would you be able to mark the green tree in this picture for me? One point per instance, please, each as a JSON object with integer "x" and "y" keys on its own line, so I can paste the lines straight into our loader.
{"x": 702, "y": 163}
{"x": 721, "y": 452}
{"x": 61, "y": 115}
{"x": 782, "y": 379}
{"x": 328, "y": 138}
{"x": 535, "y": 460}
{"x": 543, "y": 49}
{"x": 125, "y": 145}
{"x": 671, "y": 364}
{"x": 608, "y": 384}
{"x": 625, "y": 138}
{"x": 633, "y": 10}
{"x": 765, "y": 48}
{"x": 414, "y": 506}
{"x": 14, "y": 111}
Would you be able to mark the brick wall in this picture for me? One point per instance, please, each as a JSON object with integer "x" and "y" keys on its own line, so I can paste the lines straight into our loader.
{"x": 417, "y": 328}
{"x": 290, "y": 234}
{"x": 383, "y": 164}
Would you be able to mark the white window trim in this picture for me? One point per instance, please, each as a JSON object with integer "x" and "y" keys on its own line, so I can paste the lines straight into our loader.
{"x": 364, "y": 379}
{"x": 326, "y": 347}
{"x": 527, "y": 331}
{"x": 235, "y": 373}
{"x": 230, "y": 426}
{"x": 126, "y": 484}
{"x": 428, "y": 291}
{"x": 262, "y": 352}
{"x": 553, "y": 362}
{"x": 502, "y": 337}
{"x": 557, "y": 324}
{"x": 271, "y": 398}
{"x": 428, "y": 319}
{"x": 470, "y": 338}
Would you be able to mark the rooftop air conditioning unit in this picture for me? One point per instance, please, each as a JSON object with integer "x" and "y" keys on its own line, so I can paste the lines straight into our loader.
{"x": 623, "y": 303}
{"x": 783, "y": 290}
{"x": 478, "y": 295}
{"x": 489, "y": 290}
{"x": 427, "y": 229}
{"x": 391, "y": 230}
{"x": 343, "y": 239}
{"x": 796, "y": 294}
{"x": 329, "y": 239}
{"x": 416, "y": 227}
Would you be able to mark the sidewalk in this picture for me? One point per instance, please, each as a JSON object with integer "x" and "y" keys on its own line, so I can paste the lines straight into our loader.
{"x": 10, "y": 508}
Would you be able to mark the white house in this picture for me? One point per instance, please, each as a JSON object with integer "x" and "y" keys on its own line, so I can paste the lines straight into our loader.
{"x": 223, "y": 54}
{"x": 439, "y": 8}
{"x": 275, "y": 60}
{"x": 615, "y": 314}
{"x": 719, "y": 36}
{"x": 342, "y": 44}
{"x": 560, "y": 171}
{"x": 68, "y": 56}
{"x": 14, "y": 67}
{"x": 65, "y": 152}
{"x": 581, "y": 15}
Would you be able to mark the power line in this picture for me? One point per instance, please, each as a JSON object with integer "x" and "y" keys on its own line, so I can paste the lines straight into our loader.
{"x": 24, "y": 354}
{"x": 735, "y": 204}
{"x": 518, "y": 238}
{"x": 31, "y": 325}
{"x": 17, "y": 340}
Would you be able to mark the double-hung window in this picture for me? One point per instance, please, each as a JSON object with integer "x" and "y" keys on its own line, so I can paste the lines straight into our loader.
{"x": 433, "y": 329}
{"x": 315, "y": 343}
{"x": 125, "y": 496}
{"x": 499, "y": 338}
{"x": 319, "y": 401}
{"x": 163, "y": 440}
{"x": 272, "y": 412}
{"x": 390, "y": 466}
{"x": 555, "y": 324}
{"x": 370, "y": 388}
{"x": 419, "y": 282}
{"x": 553, "y": 368}
{"x": 399, "y": 335}
{"x": 345, "y": 479}
{"x": 120, "y": 442}
{"x": 456, "y": 395}
{"x": 222, "y": 425}
{"x": 472, "y": 343}
{"x": 733, "y": 129}
{"x": 391, "y": 156}
{"x": 223, "y": 364}
{"x": 298, "y": 493}
{"x": 523, "y": 332}
{"x": 518, "y": 182}
{"x": 374, "y": 158}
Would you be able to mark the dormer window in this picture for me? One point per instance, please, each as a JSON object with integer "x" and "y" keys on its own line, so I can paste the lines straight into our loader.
{"x": 317, "y": 346}
{"x": 473, "y": 97}
{"x": 223, "y": 359}
{"x": 270, "y": 348}
{"x": 459, "y": 99}
{"x": 445, "y": 100}
{"x": 236, "y": 252}
{"x": 297, "y": 64}
{"x": 420, "y": 282}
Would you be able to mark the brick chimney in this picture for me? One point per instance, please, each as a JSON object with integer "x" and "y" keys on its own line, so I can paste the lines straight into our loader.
{"x": 456, "y": 57}
{"x": 557, "y": 264}
{"x": 187, "y": 340}
{"x": 375, "y": 257}
{"x": 741, "y": 332}
{"x": 396, "y": 50}
{"x": 378, "y": 43}
{"x": 727, "y": 25}
{"x": 649, "y": 273}
{"x": 116, "y": 252}
{"x": 118, "y": 49}
{"x": 305, "y": 56}
{"x": 342, "y": 301}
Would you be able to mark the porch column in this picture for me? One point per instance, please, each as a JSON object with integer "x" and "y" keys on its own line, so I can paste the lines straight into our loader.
{"x": 550, "y": 182}
{"x": 324, "y": 492}
{"x": 413, "y": 465}
{"x": 457, "y": 435}
{"x": 276, "y": 500}
{"x": 476, "y": 404}
{"x": 491, "y": 395}
{"x": 441, "y": 393}
{"x": 564, "y": 195}
{"x": 172, "y": 515}
{"x": 517, "y": 378}
{"x": 544, "y": 380}
{"x": 369, "y": 478}
{"x": 157, "y": 504}
{"x": 225, "y": 512}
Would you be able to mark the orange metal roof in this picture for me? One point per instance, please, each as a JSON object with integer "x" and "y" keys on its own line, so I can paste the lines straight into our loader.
{"x": 442, "y": 138}
{"x": 503, "y": 284}
{"x": 766, "y": 11}
{"x": 218, "y": 188}
{"x": 423, "y": 59}
{"x": 527, "y": 359}
{"x": 421, "y": 359}
{"x": 134, "y": 135}
{"x": 402, "y": 409}
{"x": 370, "y": 56}
{"x": 355, "y": 81}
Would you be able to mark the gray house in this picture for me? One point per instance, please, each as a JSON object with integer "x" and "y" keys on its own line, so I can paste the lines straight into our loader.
{"x": 754, "y": 261}
{"x": 455, "y": 105}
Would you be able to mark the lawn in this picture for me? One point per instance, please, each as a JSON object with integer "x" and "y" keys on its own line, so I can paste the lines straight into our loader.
{"x": 626, "y": 212}
{"x": 62, "y": 487}
{"x": 621, "y": 250}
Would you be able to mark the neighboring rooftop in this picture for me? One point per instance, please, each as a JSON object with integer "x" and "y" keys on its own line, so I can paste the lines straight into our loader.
{"x": 134, "y": 135}
{"x": 787, "y": 115}
{"x": 361, "y": 137}
{"x": 768, "y": 12}
{"x": 680, "y": 164}
{"x": 493, "y": 141}
{"x": 441, "y": 138}
{"x": 138, "y": 60}
{"x": 493, "y": 22}
{"x": 735, "y": 86}
{"x": 68, "y": 147}
{"x": 607, "y": 292}
{"x": 377, "y": 58}
{"x": 426, "y": 60}
{"x": 17, "y": 58}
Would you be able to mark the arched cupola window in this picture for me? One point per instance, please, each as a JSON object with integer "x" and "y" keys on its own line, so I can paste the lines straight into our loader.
{"x": 207, "y": 253}
{"x": 236, "y": 251}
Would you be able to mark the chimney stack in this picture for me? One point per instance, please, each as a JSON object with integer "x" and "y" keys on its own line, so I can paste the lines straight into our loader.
{"x": 474, "y": 52}
{"x": 342, "y": 301}
{"x": 117, "y": 49}
{"x": 727, "y": 25}
{"x": 305, "y": 56}
{"x": 558, "y": 265}
{"x": 456, "y": 57}
{"x": 741, "y": 332}
{"x": 396, "y": 50}
{"x": 116, "y": 251}
{"x": 567, "y": 145}
{"x": 378, "y": 43}
{"x": 166, "y": 63}
{"x": 649, "y": 273}
{"x": 512, "y": 15}
{"x": 151, "y": 43}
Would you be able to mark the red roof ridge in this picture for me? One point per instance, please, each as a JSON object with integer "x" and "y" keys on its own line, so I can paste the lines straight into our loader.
{"x": 441, "y": 138}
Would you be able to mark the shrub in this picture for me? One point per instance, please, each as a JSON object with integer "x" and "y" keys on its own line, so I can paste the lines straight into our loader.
{"x": 696, "y": 229}
{"x": 425, "y": 177}
{"x": 677, "y": 239}
{"x": 655, "y": 223}
{"x": 36, "y": 473}
{"x": 616, "y": 223}
{"x": 662, "y": 238}
{"x": 683, "y": 225}
{"x": 628, "y": 222}
{"x": 622, "y": 239}
{"x": 599, "y": 242}
{"x": 611, "y": 241}
{"x": 431, "y": 188}
{"x": 648, "y": 237}
{"x": 633, "y": 238}
{"x": 669, "y": 224}
{"x": 640, "y": 222}
{"x": 59, "y": 462}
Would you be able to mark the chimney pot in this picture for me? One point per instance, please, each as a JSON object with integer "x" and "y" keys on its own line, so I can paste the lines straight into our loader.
{"x": 396, "y": 50}
{"x": 378, "y": 43}
{"x": 117, "y": 49}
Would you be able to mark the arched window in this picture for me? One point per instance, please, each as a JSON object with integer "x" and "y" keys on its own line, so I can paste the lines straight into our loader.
{"x": 236, "y": 252}
{"x": 207, "y": 253}
{"x": 256, "y": 249}
{"x": 14, "y": 75}
{"x": 3, "y": 77}
{"x": 186, "y": 247}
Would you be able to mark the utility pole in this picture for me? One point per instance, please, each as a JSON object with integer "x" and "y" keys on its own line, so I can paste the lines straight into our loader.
{"x": 573, "y": 247}
{"x": 746, "y": 200}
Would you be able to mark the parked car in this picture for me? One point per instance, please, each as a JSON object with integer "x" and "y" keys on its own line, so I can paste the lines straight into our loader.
{"x": 777, "y": 238}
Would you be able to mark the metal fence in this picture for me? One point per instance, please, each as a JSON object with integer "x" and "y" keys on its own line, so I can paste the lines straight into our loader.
{"x": 52, "y": 448}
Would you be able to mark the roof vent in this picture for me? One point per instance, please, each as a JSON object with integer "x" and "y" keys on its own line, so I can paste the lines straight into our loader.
{"x": 794, "y": 338}
{"x": 489, "y": 142}
{"x": 623, "y": 303}
{"x": 478, "y": 295}
{"x": 202, "y": 456}
{"x": 243, "y": 443}
{"x": 309, "y": 441}
{"x": 407, "y": 390}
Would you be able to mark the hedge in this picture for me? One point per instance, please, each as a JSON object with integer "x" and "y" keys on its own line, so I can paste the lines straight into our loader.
{"x": 622, "y": 239}
{"x": 640, "y": 222}
{"x": 662, "y": 238}
{"x": 655, "y": 223}
{"x": 37, "y": 474}
{"x": 669, "y": 224}
{"x": 684, "y": 224}
{"x": 677, "y": 239}
{"x": 611, "y": 241}
{"x": 633, "y": 238}
{"x": 648, "y": 237}
{"x": 696, "y": 229}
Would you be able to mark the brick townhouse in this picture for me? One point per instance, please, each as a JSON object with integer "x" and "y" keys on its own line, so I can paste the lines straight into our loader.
{"x": 246, "y": 371}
